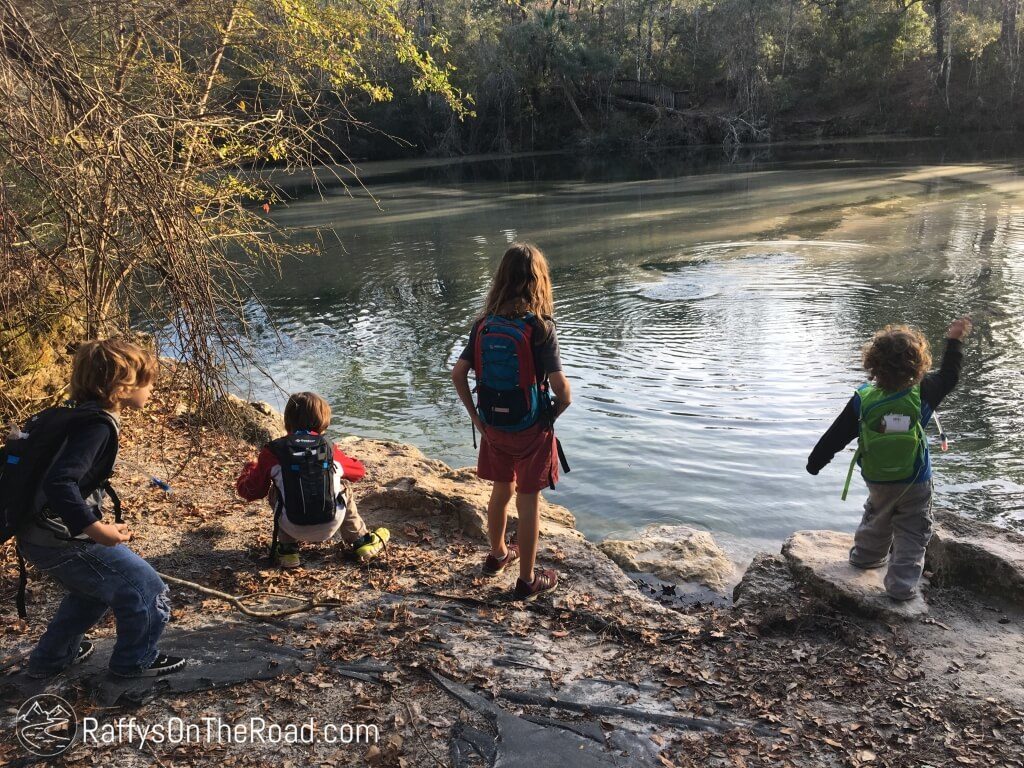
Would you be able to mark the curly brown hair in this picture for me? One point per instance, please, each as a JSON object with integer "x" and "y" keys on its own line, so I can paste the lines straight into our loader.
{"x": 104, "y": 370}
{"x": 897, "y": 357}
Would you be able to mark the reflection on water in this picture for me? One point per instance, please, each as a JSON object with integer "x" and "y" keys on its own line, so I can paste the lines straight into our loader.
{"x": 710, "y": 322}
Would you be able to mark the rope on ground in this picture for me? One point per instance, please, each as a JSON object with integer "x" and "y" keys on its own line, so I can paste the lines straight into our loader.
{"x": 303, "y": 604}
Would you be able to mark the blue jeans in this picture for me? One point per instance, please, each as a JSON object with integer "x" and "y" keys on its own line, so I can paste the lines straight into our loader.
{"x": 99, "y": 578}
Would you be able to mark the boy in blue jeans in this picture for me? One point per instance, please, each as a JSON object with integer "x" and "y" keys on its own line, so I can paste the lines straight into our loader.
{"x": 65, "y": 536}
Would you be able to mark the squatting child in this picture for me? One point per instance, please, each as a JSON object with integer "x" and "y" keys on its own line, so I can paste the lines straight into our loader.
{"x": 305, "y": 477}
{"x": 73, "y": 451}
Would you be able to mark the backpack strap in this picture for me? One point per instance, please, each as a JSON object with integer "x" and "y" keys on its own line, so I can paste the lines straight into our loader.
{"x": 278, "y": 511}
{"x": 849, "y": 475}
{"x": 540, "y": 325}
{"x": 279, "y": 448}
{"x": 561, "y": 460}
{"x": 108, "y": 489}
{"x": 859, "y": 405}
{"x": 528, "y": 367}
{"x": 561, "y": 456}
{"x": 477, "y": 348}
{"x": 19, "y": 601}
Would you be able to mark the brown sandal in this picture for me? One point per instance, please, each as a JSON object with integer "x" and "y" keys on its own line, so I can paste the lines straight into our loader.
{"x": 493, "y": 566}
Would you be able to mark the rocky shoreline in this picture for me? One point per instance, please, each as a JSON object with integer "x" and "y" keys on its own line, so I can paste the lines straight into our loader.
{"x": 799, "y": 671}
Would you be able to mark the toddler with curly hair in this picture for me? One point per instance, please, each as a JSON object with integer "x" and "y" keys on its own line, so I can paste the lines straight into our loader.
{"x": 887, "y": 416}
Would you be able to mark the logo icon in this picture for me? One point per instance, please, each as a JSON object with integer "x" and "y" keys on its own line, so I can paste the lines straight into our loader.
{"x": 46, "y": 725}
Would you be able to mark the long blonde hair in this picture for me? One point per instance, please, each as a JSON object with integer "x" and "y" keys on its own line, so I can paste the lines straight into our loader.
{"x": 522, "y": 284}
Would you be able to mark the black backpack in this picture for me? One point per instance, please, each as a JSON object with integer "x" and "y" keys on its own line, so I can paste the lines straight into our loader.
{"x": 307, "y": 475}
{"x": 25, "y": 459}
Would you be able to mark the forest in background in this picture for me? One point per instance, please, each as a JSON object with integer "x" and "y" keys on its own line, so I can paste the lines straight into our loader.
{"x": 142, "y": 142}
{"x": 563, "y": 74}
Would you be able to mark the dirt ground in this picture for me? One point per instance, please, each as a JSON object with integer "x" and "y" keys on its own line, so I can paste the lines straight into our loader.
{"x": 452, "y": 672}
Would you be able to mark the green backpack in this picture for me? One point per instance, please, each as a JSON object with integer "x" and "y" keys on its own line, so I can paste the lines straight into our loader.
{"x": 885, "y": 456}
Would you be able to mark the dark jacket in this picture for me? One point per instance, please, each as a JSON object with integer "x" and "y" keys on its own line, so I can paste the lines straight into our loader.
{"x": 934, "y": 387}
{"x": 69, "y": 491}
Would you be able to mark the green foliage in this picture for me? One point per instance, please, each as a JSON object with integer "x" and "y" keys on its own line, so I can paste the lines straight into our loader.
{"x": 868, "y": 64}
{"x": 135, "y": 136}
{"x": 973, "y": 34}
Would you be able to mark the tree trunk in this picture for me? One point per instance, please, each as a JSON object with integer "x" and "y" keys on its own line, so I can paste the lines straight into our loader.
{"x": 639, "y": 43}
{"x": 204, "y": 99}
{"x": 574, "y": 106}
{"x": 789, "y": 31}
{"x": 941, "y": 11}
{"x": 1009, "y": 43}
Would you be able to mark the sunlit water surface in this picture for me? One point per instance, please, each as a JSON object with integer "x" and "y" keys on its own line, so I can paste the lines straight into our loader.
{"x": 710, "y": 312}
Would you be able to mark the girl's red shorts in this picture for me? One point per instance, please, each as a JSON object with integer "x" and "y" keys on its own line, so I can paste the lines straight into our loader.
{"x": 529, "y": 458}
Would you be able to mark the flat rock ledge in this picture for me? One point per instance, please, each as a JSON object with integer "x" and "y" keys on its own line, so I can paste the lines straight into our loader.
{"x": 819, "y": 559}
{"x": 768, "y": 591}
{"x": 675, "y": 553}
{"x": 978, "y": 556}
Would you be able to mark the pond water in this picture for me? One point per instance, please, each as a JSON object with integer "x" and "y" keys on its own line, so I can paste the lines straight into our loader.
{"x": 710, "y": 311}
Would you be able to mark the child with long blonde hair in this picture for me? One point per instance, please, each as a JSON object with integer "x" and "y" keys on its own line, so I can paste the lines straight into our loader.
{"x": 514, "y": 354}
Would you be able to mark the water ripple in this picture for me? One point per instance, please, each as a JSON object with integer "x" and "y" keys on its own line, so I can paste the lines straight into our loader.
{"x": 710, "y": 325}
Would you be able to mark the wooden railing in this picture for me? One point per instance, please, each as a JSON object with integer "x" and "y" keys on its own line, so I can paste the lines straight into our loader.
{"x": 651, "y": 93}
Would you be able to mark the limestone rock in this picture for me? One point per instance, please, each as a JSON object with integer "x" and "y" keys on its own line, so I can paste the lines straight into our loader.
{"x": 419, "y": 497}
{"x": 404, "y": 489}
{"x": 406, "y": 479}
{"x": 978, "y": 556}
{"x": 257, "y": 423}
{"x": 673, "y": 553}
{"x": 768, "y": 590}
{"x": 820, "y": 559}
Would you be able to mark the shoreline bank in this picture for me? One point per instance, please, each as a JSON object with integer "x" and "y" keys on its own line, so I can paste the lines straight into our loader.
{"x": 454, "y": 673}
{"x": 366, "y": 171}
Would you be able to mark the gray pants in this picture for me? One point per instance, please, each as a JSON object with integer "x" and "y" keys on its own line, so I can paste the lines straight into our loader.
{"x": 897, "y": 517}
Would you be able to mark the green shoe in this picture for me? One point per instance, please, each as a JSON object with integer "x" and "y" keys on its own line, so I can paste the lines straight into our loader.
{"x": 286, "y": 555}
{"x": 371, "y": 544}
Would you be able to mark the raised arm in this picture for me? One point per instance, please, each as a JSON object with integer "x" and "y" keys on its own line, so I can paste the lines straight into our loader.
{"x": 940, "y": 383}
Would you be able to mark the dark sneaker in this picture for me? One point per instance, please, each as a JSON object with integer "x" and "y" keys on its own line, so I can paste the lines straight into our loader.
{"x": 493, "y": 566}
{"x": 286, "y": 555}
{"x": 544, "y": 581}
{"x": 162, "y": 665}
{"x": 85, "y": 649}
